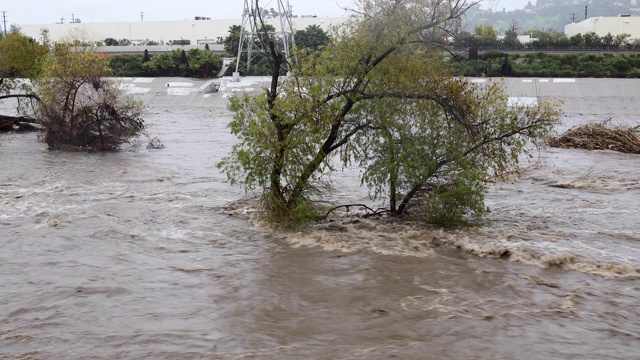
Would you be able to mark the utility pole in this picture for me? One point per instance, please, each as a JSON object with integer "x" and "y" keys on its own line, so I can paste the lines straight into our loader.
{"x": 251, "y": 18}
{"x": 573, "y": 17}
{"x": 141, "y": 16}
{"x": 4, "y": 20}
{"x": 586, "y": 7}
{"x": 72, "y": 19}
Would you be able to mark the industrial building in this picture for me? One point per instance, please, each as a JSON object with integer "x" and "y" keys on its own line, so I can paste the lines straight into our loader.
{"x": 199, "y": 31}
{"x": 602, "y": 25}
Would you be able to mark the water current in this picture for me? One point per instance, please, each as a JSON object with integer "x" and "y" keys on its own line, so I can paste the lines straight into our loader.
{"x": 147, "y": 253}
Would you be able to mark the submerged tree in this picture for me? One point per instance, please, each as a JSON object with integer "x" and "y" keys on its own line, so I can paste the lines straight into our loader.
{"x": 380, "y": 96}
{"x": 79, "y": 107}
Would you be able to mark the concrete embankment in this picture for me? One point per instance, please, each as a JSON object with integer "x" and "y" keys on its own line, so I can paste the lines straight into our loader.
{"x": 596, "y": 99}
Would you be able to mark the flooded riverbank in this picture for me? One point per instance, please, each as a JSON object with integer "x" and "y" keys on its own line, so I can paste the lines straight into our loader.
{"x": 135, "y": 255}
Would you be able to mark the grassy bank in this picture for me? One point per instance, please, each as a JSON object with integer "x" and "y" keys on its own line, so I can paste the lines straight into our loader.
{"x": 550, "y": 65}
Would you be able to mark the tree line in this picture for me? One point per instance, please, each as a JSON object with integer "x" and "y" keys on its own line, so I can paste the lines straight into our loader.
{"x": 205, "y": 63}
{"x": 485, "y": 37}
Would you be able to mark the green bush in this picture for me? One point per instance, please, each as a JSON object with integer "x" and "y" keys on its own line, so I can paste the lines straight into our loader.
{"x": 126, "y": 65}
{"x": 541, "y": 64}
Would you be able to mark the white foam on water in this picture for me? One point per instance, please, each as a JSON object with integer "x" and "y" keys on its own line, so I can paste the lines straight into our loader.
{"x": 179, "y": 84}
{"x": 179, "y": 91}
{"x": 132, "y": 89}
{"x": 143, "y": 80}
{"x": 522, "y": 101}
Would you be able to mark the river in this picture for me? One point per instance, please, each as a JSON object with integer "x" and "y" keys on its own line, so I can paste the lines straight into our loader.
{"x": 147, "y": 254}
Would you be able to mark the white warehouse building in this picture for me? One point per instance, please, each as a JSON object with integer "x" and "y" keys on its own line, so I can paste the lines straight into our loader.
{"x": 602, "y": 25}
{"x": 197, "y": 31}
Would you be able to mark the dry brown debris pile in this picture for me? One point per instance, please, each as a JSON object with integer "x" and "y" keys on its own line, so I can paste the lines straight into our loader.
{"x": 600, "y": 137}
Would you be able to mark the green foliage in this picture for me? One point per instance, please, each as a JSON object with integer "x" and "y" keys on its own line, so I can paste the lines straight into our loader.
{"x": 195, "y": 63}
{"x": 79, "y": 107}
{"x": 20, "y": 56}
{"x": 312, "y": 38}
{"x": 203, "y": 63}
{"x": 126, "y": 65}
{"x": 450, "y": 204}
{"x": 381, "y": 97}
{"x": 232, "y": 41}
{"x": 179, "y": 42}
{"x": 541, "y": 64}
{"x": 511, "y": 36}
{"x": 486, "y": 35}
{"x": 114, "y": 42}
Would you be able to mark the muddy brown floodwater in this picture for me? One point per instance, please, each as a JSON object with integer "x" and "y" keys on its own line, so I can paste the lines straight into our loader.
{"x": 147, "y": 253}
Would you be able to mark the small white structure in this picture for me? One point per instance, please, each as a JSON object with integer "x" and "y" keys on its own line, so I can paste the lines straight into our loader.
{"x": 602, "y": 25}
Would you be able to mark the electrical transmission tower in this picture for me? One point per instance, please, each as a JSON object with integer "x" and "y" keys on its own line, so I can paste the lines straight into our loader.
{"x": 253, "y": 19}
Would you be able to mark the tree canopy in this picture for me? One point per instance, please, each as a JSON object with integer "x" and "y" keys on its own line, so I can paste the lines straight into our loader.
{"x": 380, "y": 96}
{"x": 312, "y": 38}
{"x": 79, "y": 107}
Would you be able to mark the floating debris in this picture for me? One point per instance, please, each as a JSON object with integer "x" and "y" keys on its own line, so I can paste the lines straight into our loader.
{"x": 600, "y": 136}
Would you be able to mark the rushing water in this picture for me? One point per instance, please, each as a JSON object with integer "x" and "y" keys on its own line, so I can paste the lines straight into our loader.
{"x": 146, "y": 254}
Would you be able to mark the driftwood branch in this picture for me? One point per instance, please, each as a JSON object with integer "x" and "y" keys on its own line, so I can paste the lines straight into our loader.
{"x": 19, "y": 123}
{"x": 370, "y": 211}
{"x": 19, "y": 96}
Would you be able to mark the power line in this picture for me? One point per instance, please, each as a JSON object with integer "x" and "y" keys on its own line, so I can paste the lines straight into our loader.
{"x": 573, "y": 17}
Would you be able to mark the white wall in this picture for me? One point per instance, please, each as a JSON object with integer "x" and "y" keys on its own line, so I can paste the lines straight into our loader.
{"x": 197, "y": 31}
{"x": 603, "y": 25}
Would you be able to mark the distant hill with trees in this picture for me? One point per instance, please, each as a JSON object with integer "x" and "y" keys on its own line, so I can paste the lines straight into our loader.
{"x": 548, "y": 14}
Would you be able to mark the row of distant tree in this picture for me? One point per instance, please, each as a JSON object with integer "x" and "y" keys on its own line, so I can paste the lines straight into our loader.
{"x": 554, "y": 14}
{"x": 486, "y": 37}
{"x": 204, "y": 63}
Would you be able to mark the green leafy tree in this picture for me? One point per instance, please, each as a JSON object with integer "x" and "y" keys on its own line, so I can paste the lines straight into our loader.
{"x": 203, "y": 63}
{"x": 20, "y": 58}
{"x": 111, "y": 42}
{"x": 126, "y": 65}
{"x": 436, "y": 159}
{"x": 592, "y": 40}
{"x": 486, "y": 35}
{"x": 161, "y": 64}
{"x": 232, "y": 41}
{"x": 511, "y": 36}
{"x": 621, "y": 41}
{"x": 577, "y": 41}
{"x": 381, "y": 97}
{"x": 313, "y": 38}
{"x": 179, "y": 42}
{"x": 79, "y": 107}
{"x": 608, "y": 41}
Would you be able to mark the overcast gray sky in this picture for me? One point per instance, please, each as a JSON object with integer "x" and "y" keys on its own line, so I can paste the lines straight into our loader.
{"x": 51, "y": 11}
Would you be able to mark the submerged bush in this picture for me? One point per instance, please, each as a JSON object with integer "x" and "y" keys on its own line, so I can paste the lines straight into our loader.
{"x": 80, "y": 108}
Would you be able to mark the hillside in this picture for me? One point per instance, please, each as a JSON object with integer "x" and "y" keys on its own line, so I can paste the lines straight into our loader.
{"x": 549, "y": 14}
